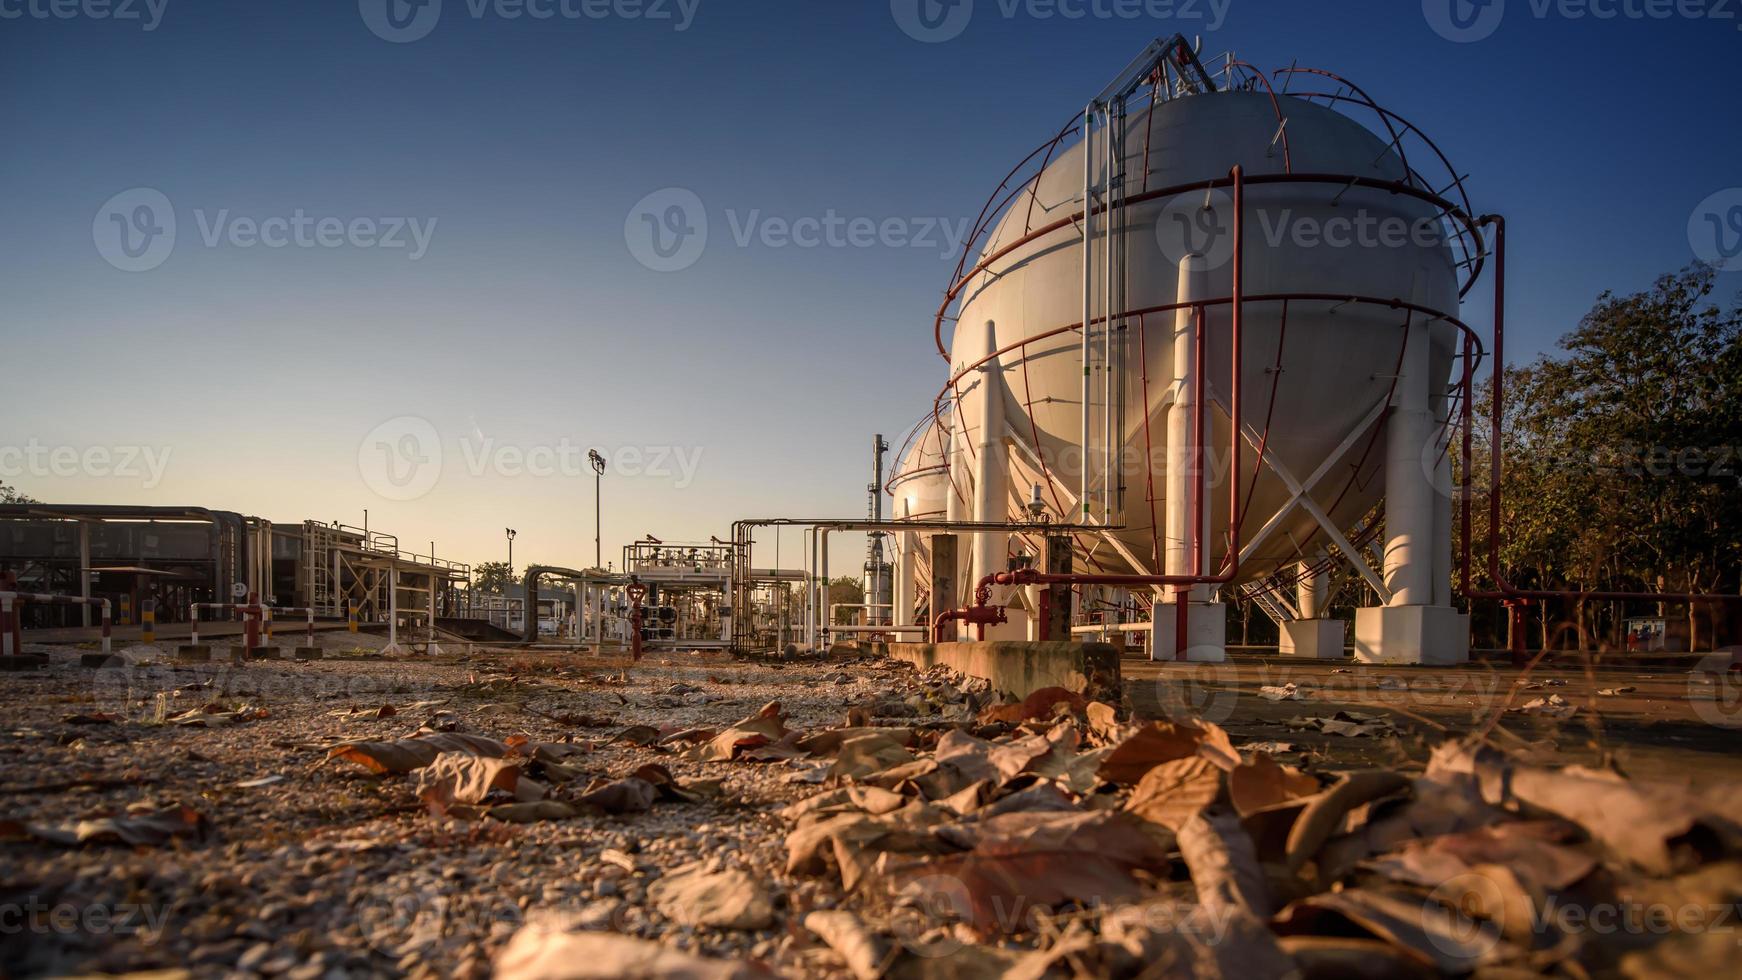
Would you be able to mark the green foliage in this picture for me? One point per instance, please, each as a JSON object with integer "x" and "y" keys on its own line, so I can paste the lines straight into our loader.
{"x": 11, "y": 496}
{"x": 493, "y": 577}
{"x": 1621, "y": 450}
{"x": 848, "y": 590}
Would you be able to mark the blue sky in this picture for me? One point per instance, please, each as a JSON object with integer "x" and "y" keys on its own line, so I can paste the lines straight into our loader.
{"x": 520, "y": 146}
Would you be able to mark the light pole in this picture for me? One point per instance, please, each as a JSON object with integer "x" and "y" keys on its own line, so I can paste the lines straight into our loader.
{"x": 598, "y": 462}
{"x": 510, "y": 532}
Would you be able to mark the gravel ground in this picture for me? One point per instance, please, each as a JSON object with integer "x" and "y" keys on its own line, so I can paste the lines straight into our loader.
{"x": 305, "y": 867}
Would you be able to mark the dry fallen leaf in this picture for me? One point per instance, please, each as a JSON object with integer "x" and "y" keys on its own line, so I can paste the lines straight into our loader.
{"x": 730, "y": 899}
{"x": 407, "y": 754}
{"x": 1171, "y": 793}
{"x": 542, "y": 951}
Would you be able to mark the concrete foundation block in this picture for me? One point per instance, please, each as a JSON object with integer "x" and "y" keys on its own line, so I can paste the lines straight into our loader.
{"x": 307, "y": 653}
{"x": 195, "y": 652}
{"x": 1434, "y": 636}
{"x": 97, "y": 661}
{"x": 1313, "y": 639}
{"x": 1018, "y": 668}
{"x": 1206, "y": 632}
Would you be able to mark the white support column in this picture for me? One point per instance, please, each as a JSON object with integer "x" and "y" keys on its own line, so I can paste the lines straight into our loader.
{"x": 85, "y": 573}
{"x": 1314, "y": 635}
{"x": 905, "y": 565}
{"x": 393, "y": 648}
{"x": 1417, "y": 625}
{"x": 991, "y": 473}
{"x": 1206, "y": 628}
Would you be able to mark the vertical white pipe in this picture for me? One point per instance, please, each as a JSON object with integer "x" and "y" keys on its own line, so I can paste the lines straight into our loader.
{"x": 1442, "y": 504}
{"x": 1088, "y": 344}
{"x": 393, "y": 605}
{"x": 1409, "y": 504}
{"x": 1311, "y": 592}
{"x": 1181, "y": 453}
{"x": 991, "y": 469}
{"x": 906, "y": 564}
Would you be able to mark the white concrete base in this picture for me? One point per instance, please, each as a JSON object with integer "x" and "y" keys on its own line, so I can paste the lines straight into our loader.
{"x": 1434, "y": 636}
{"x": 1206, "y": 632}
{"x": 1313, "y": 639}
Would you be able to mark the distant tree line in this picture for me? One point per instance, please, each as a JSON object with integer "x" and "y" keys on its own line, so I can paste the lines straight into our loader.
{"x": 1623, "y": 464}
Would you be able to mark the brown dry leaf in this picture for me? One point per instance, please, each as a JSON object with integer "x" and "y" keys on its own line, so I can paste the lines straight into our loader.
{"x": 866, "y": 953}
{"x": 637, "y": 735}
{"x": 1324, "y": 813}
{"x": 1233, "y": 894}
{"x": 1533, "y": 850}
{"x": 629, "y": 795}
{"x": 1103, "y": 720}
{"x": 1262, "y": 783}
{"x": 1646, "y": 824}
{"x": 455, "y": 777}
{"x": 1165, "y": 741}
{"x": 542, "y": 951}
{"x": 1171, "y": 793}
{"x": 761, "y": 728}
{"x": 1039, "y": 706}
{"x": 1025, "y": 863}
{"x": 830, "y": 741}
{"x": 1427, "y": 932}
{"x": 533, "y": 812}
{"x": 868, "y": 754}
{"x": 405, "y": 754}
{"x": 730, "y": 899}
{"x": 137, "y": 829}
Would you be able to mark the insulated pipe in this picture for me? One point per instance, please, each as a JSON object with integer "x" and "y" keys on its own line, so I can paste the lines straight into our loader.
{"x": 991, "y": 467}
{"x": 1311, "y": 591}
{"x": 1409, "y": 504}
{"x": 1184, "y": 450}
{"x": 906, "y": 565}
{"x": 1088, "y": 344}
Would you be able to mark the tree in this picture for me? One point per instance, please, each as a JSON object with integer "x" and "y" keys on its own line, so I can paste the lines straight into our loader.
{"x": 848, "y": 591}
{"x": 1621, "y": 469}
{"x": 11, "y": 496}
{"x": 493, "y": 577}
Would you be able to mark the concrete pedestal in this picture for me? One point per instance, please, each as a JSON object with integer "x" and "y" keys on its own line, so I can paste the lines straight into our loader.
{"x": 196, "y": 652}
{"x": 1206, "y": 632}
{"x": 1434, "y": 636}
{"x": 1313, "y": 639}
